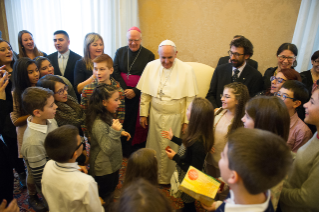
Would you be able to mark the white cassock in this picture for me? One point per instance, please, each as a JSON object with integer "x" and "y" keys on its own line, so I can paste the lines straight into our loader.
{"x": 166, "y": 94}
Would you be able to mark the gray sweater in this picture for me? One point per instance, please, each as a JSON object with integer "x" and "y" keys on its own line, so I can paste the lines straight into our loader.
{"x": 106, "y": 149}
{"x": 301, "y": 190}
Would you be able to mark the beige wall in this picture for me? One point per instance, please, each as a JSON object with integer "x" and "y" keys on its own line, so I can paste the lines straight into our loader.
{"x": 203, "y": 29}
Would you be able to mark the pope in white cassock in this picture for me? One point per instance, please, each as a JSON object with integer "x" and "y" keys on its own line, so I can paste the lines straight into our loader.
{"x": 168, "y": 86}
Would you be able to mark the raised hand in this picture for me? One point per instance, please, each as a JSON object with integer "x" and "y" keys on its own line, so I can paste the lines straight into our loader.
{"x": 168, "y": 134}
{"x": 116, "y": 125}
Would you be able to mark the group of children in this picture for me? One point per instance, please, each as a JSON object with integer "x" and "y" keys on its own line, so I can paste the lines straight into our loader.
{"x": 252, "y": 162}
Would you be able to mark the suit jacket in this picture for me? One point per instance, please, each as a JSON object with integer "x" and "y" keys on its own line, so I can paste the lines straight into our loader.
{"x": 224, "y": 60}
{"x": 69, "y": 69}
{"x": 222, "y": 76}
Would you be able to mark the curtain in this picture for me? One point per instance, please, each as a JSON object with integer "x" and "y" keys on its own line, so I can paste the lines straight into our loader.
{"x": 109, "y": 18}
{"x": 306, "y": 35}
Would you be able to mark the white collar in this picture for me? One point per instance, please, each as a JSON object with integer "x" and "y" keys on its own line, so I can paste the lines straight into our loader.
{"x": 38, "y": 127}
{"x": 65, "y": 55}
{"x": 241, "y": 68}
{"x": 67, "y": 167}
{"x": 231, "y": 206}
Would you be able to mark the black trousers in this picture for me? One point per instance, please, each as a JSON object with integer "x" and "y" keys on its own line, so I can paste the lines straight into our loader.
{"x": 6, "y": 174}
{"x": 107, "y": 184}
{"x": 12, "y": 145}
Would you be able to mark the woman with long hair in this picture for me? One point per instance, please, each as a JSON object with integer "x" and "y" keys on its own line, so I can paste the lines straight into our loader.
{"x": 45, "y": 67}
{"x": 27, "y": 47}
{"x": 83, "y": 71}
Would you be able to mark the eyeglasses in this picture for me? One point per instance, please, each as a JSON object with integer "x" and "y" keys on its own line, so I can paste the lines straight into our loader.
{"x": 82, "y": 143}
{"x": 131, "y": 41}
{"x": 279, "y": 80}
{"x": 61, "y": 91}
{"x": 283, "y": 57}
{"x": 283, "y": 96}
{"x": 235, "y": 54}
{"x": 226, "y": 97}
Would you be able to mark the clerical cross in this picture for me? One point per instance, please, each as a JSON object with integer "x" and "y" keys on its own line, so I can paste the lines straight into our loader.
{"x": 161, "y": 93}
{"x": 128, "y": 75}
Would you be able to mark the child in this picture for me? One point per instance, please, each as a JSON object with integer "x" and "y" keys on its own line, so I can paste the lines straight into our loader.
{"x": 69, "y": 110}
{"x": 39, "y": 103}
{"x": 294, "y": 94}
{"x": 25, "y": 74}
{"x": 103, "y": 68}
{"x": 198, "y": 142}
{"x": 105, "y": 132}
{"x": 227, "y": 119}
{"x": 63, "y": 185}
{"x": 142, "y": 196}
{"x": 252, "y": 162}
{"x": 300, "y": 192}
{"x": 268, "y": 113}
{"x": 142, "y": 164}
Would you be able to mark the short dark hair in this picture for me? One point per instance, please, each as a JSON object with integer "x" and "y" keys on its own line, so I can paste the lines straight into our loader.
{"x": 315, "y": 56}
{"x": 261, "y": 158}
{"x": 299, "y": 89}
{"x": 48, "y": 81}
{"x": 245, "y": 43}
{"x": 35, "y": 98}
{"x": 60, "y": 144}
{"x": 269, "y": 113}
{"x": 62, "y": 32}
{"x": 141, "y": 196}
{"x": 142, "y": 164}
{"x": 104, "y": 58}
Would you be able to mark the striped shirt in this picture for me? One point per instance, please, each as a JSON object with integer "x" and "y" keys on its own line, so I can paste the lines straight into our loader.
{"x": 88, "y": 90}
{"x": 33, "y": 150}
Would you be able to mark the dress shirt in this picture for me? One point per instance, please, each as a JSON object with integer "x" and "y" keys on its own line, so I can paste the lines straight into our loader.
{"x": 67, "y": 189}
{"x": 240, "y": 69}
{"x": 63, "y": 61}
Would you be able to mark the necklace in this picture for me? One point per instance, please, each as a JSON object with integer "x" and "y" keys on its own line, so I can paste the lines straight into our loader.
{"x": 161, "y": 93}
{"x": 128, "y": 61}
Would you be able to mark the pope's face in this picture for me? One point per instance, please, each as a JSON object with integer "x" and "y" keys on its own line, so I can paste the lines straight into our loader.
{"x": 167, "y": 56}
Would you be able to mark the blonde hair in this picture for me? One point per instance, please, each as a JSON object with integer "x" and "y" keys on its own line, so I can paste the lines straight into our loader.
{"x": 90, "y": 38}
{"x": 22, "y": 53}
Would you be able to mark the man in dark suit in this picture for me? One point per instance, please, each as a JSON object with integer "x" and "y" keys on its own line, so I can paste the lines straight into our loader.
{"x": 236, "y": 71}
{"x": 226, "y": 59}
{"x": 64, "y": 59}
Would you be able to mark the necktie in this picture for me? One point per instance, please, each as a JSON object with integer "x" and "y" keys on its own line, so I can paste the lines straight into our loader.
{"x": 61, "y": 65}
{"x": 235, "y": 76}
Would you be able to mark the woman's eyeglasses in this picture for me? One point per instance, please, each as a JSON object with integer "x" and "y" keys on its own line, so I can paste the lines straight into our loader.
{"x": 278, "y": 79}
{"x": 61, "y": 91}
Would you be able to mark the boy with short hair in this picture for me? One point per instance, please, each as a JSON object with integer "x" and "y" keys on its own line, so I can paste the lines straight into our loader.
{"x": 39, "y": 103}
{"x": 295, "y": 94}
{"x": 63, "y": 185}
{"x": 253, "y": 161}
{"x": 103, "y": 68}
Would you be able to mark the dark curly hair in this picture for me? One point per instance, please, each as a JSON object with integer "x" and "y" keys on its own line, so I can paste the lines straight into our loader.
{"x": 96, "y": 107}
{"x": 245, "y": 43}
{"x": 242, "y": 96}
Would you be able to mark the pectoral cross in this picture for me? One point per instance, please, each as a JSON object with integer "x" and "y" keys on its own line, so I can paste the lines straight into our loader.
{"x": 161, "y": 94}
{"x": 128, "y": 75}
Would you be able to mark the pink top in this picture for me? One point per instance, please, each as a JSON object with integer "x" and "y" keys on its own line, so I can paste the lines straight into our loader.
{"x": 299, "y": 133}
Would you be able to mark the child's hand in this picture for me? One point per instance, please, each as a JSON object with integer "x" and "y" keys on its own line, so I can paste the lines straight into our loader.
{"x": 102, "y": 201}
{"x": 168, "y": 134}
{"x": 209, "y": 208}
{"x": 212, "y": 150}
{"x": 12, "y": 207}
{"x": 83, "y": 169}
{"x": 170, "y": 153}
{"x": 128, "y": 135}
{"x": 116, "y": 125}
